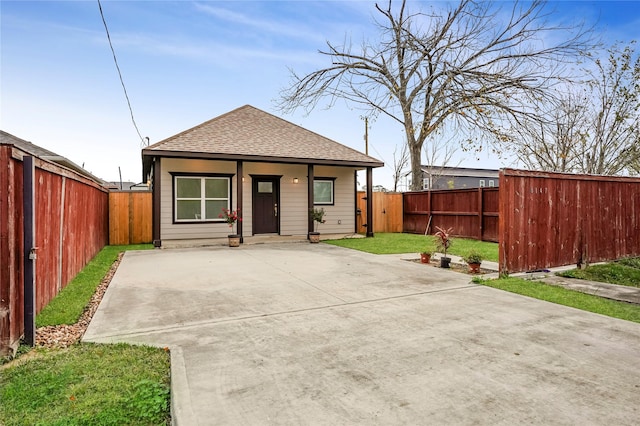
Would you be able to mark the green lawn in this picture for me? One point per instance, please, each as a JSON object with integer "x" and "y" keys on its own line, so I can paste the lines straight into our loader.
{"x": 562, "y": 296}
{"x": 621, "y": 272}
{"x": 391, "y": 243}
{"x": 85, "y": 384}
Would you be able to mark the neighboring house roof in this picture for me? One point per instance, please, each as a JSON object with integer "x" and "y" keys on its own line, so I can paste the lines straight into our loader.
{"x": 126, "y": 186}
{"x": 462, "y": 171}
{"x": 250, "y": 134}
{"x": 45, "y": 154}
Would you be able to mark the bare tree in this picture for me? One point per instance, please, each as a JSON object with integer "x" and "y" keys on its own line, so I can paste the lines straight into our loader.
{"x": 594, "y": 129}
{"x": 438, "y": 154}
{"x": 552, "y": 142}
{"x": 471, "y": 65}
{"x": 399, "y": 165}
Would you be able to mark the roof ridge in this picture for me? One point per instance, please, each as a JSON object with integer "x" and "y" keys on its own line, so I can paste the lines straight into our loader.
{"x": 197, "y": 126}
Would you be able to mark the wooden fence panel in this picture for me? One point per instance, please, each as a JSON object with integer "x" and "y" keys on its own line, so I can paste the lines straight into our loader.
{"x": 49, "y": 223}
{"x": 130, "y": 217}
{"x": 387, "y": 212}
{"x": 71, "y": 227}
{"x": 472, "y": 213}
{"x": 554, "y": 219}
{"x": 11, "y": 249}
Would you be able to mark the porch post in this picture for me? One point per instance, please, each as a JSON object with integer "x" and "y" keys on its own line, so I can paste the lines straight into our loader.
{"x": 239, "y": 185}
{"x": 156, "y": 202}
{"x": 309, "y": 198}
{"x": 369, "y": 201}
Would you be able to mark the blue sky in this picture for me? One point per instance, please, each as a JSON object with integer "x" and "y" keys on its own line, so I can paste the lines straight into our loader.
{"x": 185, "y": 62}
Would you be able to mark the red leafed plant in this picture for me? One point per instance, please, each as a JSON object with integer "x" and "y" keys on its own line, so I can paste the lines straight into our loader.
{"x": 444, "y": 239}
{"x": 230, "y": 216}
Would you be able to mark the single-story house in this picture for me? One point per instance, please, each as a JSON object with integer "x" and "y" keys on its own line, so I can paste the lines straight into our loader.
{"x": 273, "y": 171}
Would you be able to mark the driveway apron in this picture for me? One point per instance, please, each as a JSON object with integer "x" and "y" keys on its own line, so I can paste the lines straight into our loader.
{"x": 299, "y": 334}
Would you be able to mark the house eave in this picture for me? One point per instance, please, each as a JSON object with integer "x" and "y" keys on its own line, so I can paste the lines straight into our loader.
{"x": 148, "y": 155}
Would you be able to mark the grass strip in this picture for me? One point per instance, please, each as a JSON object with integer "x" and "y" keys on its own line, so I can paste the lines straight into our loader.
{"x": 562, "y": 296}
{"x": 622, "y": 272}
{"x": 68, "y": 305}
{"x": 87, "y": 384}
{"x": 395, "y": 243}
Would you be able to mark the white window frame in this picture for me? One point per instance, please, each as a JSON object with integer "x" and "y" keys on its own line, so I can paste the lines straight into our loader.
{"x": 492, "y": 183}
{"x": 330, "y": 181}
{"x": 425, "y": 183}
{"x": 482, "y": 183}
{"x": 203, "y": 199}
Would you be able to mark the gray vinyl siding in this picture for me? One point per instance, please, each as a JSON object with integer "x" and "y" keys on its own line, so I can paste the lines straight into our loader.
{"x": 344, "y": 208}
{"x": 187, "y": 231}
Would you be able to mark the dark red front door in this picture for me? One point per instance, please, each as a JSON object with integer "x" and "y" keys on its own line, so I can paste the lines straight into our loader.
{"x": 266, "y": 209}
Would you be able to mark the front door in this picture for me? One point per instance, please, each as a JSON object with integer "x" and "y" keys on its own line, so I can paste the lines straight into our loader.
{"x": 266, "y": 208}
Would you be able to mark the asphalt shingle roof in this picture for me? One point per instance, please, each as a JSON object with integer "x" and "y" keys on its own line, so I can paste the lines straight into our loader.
{"x": 248, "y": 132}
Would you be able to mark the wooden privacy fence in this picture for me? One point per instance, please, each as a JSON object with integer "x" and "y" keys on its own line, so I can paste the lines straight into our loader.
{"x": 130, "y": 217}
{"x": 70, "y": 226}
{"x": 387, "y": 212}
{"x": 472, "y": 213}
{"x": 554, "y": 219}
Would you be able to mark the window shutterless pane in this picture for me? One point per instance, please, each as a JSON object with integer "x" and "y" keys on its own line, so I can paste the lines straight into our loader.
{"x": 323, "y": 192}
{"x": 213, "y": 208}
{"x": 216, "y": 188}
{"x": 188, "y": 188}
{"x": 188, "y": 210}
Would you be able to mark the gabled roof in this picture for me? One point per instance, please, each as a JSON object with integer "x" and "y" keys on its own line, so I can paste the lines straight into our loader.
{"x": 250, "y": 134}
{"x": 45, "y": 154}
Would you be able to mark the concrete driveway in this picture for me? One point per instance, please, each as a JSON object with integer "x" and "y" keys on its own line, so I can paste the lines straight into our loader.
{"x": 296, "y": 333}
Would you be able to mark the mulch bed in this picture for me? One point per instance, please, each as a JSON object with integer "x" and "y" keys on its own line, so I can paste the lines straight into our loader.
{"x": 453, "y": 267}
{"x": 63, "y": 336}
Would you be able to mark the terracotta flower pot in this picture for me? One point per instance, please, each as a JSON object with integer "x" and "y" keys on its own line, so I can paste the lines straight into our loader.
{"x": 314, "y": 237}
{"x": 425, "y": 257}
{"x": 474, "y": 268}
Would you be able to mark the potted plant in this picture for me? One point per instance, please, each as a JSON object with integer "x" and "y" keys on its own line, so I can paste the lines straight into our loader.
{"x": 443, "y": 237}
{"x": 231, "y": 217}
{"x": 473, "y": 259}
{"x": 425, "y": 255}
{"x": 318, "y": 217}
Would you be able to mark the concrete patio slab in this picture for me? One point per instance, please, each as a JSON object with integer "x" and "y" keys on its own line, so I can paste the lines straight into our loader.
{"x": 315, "y": 334}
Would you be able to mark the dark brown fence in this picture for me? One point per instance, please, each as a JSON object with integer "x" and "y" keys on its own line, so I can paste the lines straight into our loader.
{"x": 472, "y": 213}
{"x": 554, "y": 219}
{"x": 130, "y": 217}
{"x": 387, "y": 212}
{"x": 71, "y": 226}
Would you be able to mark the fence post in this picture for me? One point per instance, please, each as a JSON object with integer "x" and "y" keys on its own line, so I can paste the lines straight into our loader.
{"x": 29, "y": 255}
{"x": 480, "y": 214}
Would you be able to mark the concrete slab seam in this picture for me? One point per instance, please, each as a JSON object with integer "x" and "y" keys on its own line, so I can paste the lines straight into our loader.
{"x": 110, "y": 338}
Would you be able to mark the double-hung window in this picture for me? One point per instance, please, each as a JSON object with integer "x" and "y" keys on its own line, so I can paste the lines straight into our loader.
{"x": 323, "y": 191}
{"x": 200, "y": 198}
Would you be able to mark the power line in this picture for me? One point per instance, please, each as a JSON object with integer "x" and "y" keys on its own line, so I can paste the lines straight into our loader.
{"x": 115, "y": 60}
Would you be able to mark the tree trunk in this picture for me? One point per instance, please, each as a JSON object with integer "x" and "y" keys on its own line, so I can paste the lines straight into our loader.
{"x": 416, "y": 168}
